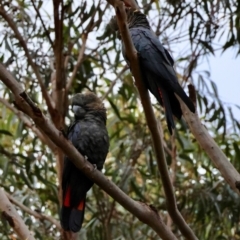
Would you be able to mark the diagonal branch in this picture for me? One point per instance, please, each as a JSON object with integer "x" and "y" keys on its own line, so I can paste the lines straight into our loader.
{"x": 33, "y": 213}
{"x": 219, "y": 159}
{"x": 22, "y": 42}
{"x": 142, "y": 211}
{"x": 152, "y": 123}
{"x": 14, "y": 220}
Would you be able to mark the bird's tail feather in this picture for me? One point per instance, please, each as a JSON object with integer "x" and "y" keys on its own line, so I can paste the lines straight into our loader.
{"x": 175, "y": 105}
{"x": 167, "y": 107}
{"x": 180, "y": 92}
{"x": 72, "y": 217}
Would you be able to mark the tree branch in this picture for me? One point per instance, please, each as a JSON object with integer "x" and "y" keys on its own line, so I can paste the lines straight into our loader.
{"x": 219, "y": 159}
{"x": 173, "y": 167}
{"x": 152, "y": 123}
{"x": 33, "y": 213}
{"x": 143, "y": 212}
{"x": 60, "y": 90}
{"x": 14, "y": 220}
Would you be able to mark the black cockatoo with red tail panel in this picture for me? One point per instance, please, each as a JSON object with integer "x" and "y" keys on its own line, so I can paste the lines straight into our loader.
{"x": 89, "y": 136}
{"x": 156, "y": 67}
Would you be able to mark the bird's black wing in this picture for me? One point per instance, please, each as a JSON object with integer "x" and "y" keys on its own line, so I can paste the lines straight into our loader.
{"x": 91, "y": 140}
{"x": 156, "y": 63}
{"x": 152, "y": 56}
{"x": 170, "y": 59}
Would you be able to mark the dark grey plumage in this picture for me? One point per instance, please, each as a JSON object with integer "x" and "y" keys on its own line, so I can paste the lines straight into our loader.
{"x": 156, "y": 66}
{"x": 89, "y": 135}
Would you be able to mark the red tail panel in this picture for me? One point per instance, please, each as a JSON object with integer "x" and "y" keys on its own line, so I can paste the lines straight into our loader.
{"x": 66, "y": 202}
{"x": 81, "y": 205}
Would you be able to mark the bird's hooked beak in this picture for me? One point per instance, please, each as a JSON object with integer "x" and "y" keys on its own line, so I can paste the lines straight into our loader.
{"x": 78, "y": 111}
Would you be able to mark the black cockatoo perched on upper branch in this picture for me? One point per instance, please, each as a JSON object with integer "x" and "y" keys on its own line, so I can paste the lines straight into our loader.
{"x": 89, "y": 135}
{"x": 156, "y": 66}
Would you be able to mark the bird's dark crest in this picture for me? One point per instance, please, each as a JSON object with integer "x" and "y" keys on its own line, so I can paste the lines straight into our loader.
{"x": 91, "y": 103}
{"x": 135, "y": 18}
{"x": 89, "y": 100}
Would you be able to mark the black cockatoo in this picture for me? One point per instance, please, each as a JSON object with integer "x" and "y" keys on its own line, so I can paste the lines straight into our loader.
{"x": 156, "y": 66}
{"x": 89, "y": 136}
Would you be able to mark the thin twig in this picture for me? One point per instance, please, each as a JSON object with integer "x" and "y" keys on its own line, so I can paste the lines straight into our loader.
{"x": 33, "y": 213}
{"x": 44, "y": 27}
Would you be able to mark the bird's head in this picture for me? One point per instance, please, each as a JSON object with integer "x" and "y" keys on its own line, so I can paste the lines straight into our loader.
{"x": 87, "y": 103}
{"x": 135, "y": 18}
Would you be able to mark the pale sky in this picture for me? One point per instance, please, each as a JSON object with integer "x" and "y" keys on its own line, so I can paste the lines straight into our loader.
{"x": 225, "y": 72}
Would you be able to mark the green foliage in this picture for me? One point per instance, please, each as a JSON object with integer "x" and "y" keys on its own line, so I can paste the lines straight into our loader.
{"x": 28, "y": 166}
